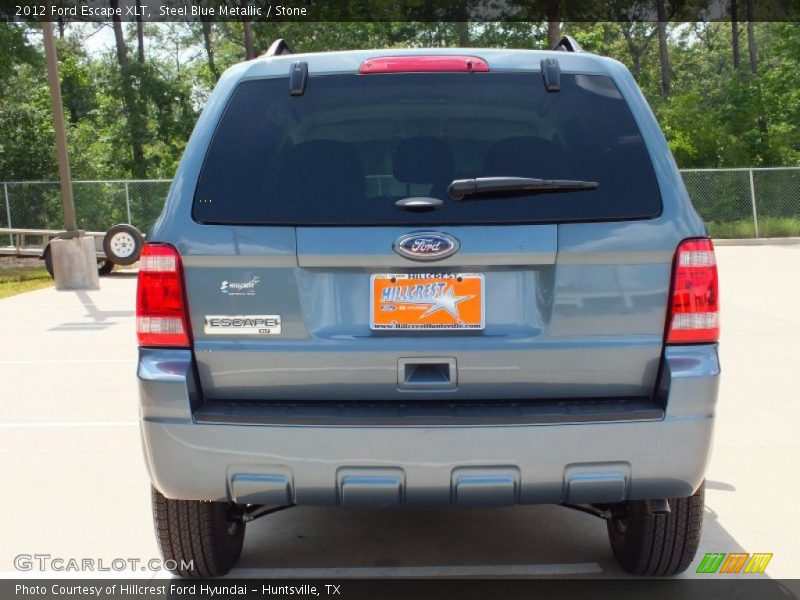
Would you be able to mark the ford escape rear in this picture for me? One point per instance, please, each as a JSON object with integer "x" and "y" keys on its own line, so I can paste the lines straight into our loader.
{"x": 419, "y": 278}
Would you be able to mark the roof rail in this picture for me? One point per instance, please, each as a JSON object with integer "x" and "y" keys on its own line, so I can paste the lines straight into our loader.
{"x": 277, "y": 48}
{"x": 568, "y": 44}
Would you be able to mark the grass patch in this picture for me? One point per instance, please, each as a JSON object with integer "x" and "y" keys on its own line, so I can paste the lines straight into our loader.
{"x": 17, "y": 281}
{"x": 767, "y": 227}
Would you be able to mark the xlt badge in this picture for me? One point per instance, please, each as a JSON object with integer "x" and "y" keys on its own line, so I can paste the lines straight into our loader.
{"x": 242, "y": 324}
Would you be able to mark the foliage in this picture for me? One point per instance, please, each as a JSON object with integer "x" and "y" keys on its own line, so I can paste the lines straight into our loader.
{"x": 715, "y": 116}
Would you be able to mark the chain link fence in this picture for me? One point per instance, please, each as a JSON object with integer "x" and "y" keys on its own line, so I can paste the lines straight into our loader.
{"x": 736, "y": 203}
{"x": 99, "y": 205}
{"x": 746, "y": 203}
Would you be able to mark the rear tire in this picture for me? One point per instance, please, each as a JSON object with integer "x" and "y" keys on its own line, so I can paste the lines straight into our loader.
{"x": 658, "y": 544}
{"x": 200, "y": 537}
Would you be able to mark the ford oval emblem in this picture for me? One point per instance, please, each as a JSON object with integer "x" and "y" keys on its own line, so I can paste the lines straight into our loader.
{"x": 426, "y": 245}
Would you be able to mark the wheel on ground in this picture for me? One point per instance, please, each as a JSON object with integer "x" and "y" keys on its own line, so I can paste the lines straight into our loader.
{"x": 122, "y": 244}
{"x": 48, "y": 261}
{"x": 658, "y": 544}
{"x": 202, "y": 538}
{"x": 104, "y": 267}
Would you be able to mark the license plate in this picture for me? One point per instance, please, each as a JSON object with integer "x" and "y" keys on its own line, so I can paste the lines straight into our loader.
{"x": 426, "y": 301}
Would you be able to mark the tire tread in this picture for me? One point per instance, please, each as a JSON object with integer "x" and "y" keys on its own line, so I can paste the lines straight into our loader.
{"x": 659, "y": 544}
{"x": 193, "y": 530}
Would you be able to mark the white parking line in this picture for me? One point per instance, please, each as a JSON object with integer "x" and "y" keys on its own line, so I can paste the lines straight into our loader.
{"x": 63, "y": 327}
{"x": 66, "y": 304}
{"x": 31, "y": 424}
{"x": 438, "y": 571}
{"x": 343, "y": 572}
{"x": 55, "y": 361}
{"x": 59, "y": 575}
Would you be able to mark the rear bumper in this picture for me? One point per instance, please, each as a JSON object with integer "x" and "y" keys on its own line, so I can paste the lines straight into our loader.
{"x": 423, "y": 465}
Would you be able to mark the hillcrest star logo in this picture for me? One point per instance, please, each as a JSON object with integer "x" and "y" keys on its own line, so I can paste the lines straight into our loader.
{"x": 435, "y": 296}
{"x": 426, "y": 301}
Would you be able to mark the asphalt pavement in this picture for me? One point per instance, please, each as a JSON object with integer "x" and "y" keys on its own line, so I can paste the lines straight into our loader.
{"x": 75, "y": 485}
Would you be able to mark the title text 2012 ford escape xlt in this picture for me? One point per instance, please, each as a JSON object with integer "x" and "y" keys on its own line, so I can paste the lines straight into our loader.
{"x": 428, "y": 277}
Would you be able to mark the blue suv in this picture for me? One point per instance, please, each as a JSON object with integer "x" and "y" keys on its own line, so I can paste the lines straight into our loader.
{"x": 400, "y": 278}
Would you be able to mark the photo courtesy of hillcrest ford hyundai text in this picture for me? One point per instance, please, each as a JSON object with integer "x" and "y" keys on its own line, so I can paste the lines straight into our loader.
{"x": 428, "y": 277}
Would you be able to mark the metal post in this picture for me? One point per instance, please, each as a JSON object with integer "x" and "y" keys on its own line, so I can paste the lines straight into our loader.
{"x": 74, "y": 259}
{"x": 70, "y": 222}
{"x": 753, "y": 200}
{"x": 128, "y": 202}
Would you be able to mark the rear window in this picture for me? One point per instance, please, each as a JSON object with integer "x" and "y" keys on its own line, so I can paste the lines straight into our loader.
{"x": 346, "y": 150}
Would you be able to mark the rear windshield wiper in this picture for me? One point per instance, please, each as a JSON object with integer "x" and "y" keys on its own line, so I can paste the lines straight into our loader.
{"x": 462, "y": 189}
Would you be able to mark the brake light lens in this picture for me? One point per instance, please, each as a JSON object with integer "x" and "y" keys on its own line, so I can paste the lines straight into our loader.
{"x": 424, "y": 64}
{"x": 161, "y": 310}
{"x": 694, "y": 312}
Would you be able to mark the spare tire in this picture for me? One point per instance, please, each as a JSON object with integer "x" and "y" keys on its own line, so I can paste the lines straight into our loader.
{"x": 123, "y": 244}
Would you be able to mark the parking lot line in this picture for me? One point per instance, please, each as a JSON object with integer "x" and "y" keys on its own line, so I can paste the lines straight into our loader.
{"x": 45, "y": 361}
{"x": 34, "y": 424}
{"x": 436, "y": 571}
{"x": 67, "y": 303}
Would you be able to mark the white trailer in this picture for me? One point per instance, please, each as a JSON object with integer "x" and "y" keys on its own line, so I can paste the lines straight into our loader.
{"x": 120, "y": 245}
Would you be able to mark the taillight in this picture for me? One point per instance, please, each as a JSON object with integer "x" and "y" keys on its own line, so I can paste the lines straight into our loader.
{"x": 161, "y": 310}
{"x": 694, "y": 311}
{"x": 424, "y": 64}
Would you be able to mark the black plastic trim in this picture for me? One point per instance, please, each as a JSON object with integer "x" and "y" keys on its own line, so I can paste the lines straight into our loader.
{"x": 512, "y": 412}
{"x": 551, "y": 73}
{"x": 298, "y": 75}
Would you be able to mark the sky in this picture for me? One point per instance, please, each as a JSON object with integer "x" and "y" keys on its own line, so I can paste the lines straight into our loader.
{"x": 100, "y": 41}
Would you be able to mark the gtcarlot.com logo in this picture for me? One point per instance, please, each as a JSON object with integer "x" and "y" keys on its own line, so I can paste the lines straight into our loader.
{"x": 48, "y": 562}
{"x": 735, "y": 562}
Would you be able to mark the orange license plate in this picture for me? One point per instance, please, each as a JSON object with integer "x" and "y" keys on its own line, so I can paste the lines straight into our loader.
{"x": 425, "y": 301}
